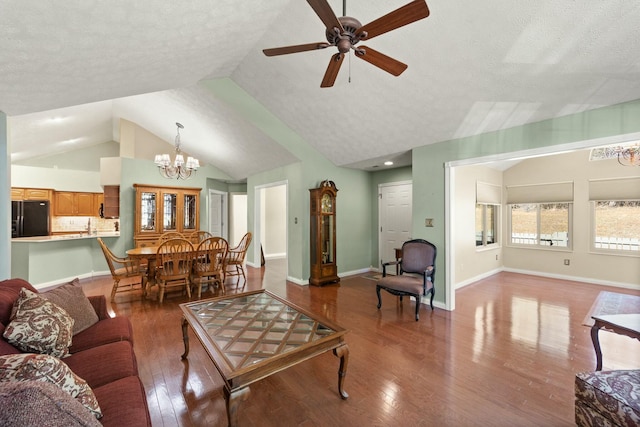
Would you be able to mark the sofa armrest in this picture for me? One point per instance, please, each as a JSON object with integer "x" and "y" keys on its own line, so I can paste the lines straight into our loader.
{"x": 99, "y": 303}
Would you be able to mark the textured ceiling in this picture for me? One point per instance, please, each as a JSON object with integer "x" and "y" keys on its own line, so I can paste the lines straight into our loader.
{"x": 474, "y": 67}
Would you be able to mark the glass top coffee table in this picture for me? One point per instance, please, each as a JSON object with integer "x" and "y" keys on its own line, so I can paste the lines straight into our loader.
{"x": 252, "y": 335}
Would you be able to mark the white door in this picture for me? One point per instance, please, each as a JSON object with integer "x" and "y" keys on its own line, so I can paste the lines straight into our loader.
{"x": 394, "y": 216}
{"x": 217, "y": 216}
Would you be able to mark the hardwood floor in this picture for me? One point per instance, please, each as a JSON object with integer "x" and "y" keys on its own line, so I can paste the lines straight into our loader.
{"x": 506, "y": 356}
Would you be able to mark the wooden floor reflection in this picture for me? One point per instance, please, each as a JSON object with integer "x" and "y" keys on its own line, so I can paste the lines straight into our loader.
{"x": 505, "y": 357}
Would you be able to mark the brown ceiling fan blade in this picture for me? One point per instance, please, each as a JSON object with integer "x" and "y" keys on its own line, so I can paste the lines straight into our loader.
{"x": 381, "y": 60}
{"x": 412, "y": 12}
{"x": 332, "y": 70}
{"x": 295, "y": 49}
{"x": 325, "y": 13}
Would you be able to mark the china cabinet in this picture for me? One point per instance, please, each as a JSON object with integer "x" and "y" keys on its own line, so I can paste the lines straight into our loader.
{"x": 162, "y": 209}
{"x": 323, "y": 234}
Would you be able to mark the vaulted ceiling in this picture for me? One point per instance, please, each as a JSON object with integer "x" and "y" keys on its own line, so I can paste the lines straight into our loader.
{"x": 70, "y": 70}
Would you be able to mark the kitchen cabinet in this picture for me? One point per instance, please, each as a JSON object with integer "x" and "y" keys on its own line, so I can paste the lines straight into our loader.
{"x": 30, "y": 193}
{"x": 111, "y": 201}
{"x": 162, "y": 209}
{"x": 67, "y": 203}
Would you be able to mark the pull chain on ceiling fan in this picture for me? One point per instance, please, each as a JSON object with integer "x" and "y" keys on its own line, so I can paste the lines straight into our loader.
{"x": 345, "y": 32}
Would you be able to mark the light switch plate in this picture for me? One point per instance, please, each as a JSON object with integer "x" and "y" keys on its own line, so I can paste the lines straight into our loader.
{"x": 428, "y": 222}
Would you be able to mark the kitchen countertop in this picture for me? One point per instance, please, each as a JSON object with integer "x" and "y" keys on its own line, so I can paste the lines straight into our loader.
{"x": 43, "y": 239}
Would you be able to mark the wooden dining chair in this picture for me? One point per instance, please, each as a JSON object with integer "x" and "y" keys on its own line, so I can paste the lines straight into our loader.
{"x": 198, "y": 236}
{"x": 124, "y": 268}
{"x": 173, "y": 266}
{"x": 170, "y": 235}
{"x": 234, "y": 265}
{"x": 208, "y": 263}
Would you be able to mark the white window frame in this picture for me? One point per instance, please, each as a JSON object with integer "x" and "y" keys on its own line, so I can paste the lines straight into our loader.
{"x": 496, "y": 225}
{"x": 538, "y": 245}
{"x": 593, "y": 237}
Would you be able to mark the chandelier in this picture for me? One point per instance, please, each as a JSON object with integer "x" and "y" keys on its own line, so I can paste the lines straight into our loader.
{"x": 629, "y": 156}
{"x": 178, "y": 169}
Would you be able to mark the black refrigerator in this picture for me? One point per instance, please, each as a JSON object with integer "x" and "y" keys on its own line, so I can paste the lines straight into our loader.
{"x": 29, "y": 218}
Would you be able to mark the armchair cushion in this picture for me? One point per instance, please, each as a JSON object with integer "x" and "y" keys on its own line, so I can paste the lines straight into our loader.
{"x": 39, "y": 326}
{"x": 72, "y": 299}
{"x": 608, "y": 398}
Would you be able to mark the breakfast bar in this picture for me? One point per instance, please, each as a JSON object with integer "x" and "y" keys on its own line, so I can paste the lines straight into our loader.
{"x": 48, "y": 260}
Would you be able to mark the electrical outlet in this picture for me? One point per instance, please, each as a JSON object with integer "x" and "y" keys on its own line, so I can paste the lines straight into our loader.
{"x": 496, "y": 257}
{"x": 566, "y": 262}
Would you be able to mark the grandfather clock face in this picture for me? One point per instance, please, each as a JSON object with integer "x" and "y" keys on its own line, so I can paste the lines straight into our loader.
{"x": 327, "y": 204}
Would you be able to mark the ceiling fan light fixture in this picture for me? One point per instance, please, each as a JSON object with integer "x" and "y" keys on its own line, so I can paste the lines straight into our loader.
{"x": 178, "y": 169}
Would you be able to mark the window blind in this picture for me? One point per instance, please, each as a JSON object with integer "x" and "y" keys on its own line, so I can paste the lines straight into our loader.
{"x": 555, "y": 192}
{"x": 614, "y": 189}
{"x": 488, "y": 193}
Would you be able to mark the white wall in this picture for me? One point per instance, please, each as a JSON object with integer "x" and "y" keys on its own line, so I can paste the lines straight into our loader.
{"x": 274, "y": 239}
{"x": 237, "y": 218}
{"x": 472, "y": 262}
{"x": 57, "y": 179}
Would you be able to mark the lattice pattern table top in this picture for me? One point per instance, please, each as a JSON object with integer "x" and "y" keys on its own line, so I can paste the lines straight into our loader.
{"x": 250, "y": 329}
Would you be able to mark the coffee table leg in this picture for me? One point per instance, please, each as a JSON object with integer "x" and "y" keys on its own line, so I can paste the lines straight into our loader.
{"x": 233, "y": 400}
{"x": 185, "y": 338}
{"x": 596, "y": 345}
{"x": 343, "y": 353}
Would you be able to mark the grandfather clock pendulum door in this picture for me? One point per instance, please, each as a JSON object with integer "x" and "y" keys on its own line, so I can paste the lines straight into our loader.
{"x": 323, "y": 234}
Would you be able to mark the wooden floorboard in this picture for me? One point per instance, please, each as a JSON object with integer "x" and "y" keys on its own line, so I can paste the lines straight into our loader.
{"x": 506, "y": 356}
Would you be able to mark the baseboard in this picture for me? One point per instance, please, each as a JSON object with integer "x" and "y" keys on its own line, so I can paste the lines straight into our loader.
{"x": 474, "y": 279}
{"x": 275, "y": 256}
{"x": 576, "y": 279}
{"x": 45, "y": 286}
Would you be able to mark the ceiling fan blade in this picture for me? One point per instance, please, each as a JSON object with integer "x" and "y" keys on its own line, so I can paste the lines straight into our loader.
{"x": 332, "y": 70}
{"x": 381, "y": 60}
{"x": 295, "y": 49}
{"x": 325, "y": 13}
{"x": 414, "y": 11}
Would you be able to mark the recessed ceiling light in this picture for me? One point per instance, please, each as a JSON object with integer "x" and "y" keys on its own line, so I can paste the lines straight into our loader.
{"x": 388, "y": 163}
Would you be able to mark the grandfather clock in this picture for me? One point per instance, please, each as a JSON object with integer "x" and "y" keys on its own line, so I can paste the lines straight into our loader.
{"x": 323, "y": 234}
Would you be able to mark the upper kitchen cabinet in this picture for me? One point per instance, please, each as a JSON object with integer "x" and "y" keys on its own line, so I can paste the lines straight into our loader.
{"x": 162, "y": 209}
{"x": 30, "y": 193}
{"x": 68, "y": 203}
{"x": 110, "y": 202}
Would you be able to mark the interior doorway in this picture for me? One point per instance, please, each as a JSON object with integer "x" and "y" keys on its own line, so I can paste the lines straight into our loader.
{"x": 270, "y": 233}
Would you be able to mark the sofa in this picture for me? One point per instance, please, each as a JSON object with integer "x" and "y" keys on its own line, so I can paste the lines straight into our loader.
{"x": 607, "y": 398}
{"x": 101, "y": 358}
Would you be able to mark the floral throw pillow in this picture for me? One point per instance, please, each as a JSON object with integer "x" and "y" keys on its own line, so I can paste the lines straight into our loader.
{"x": 42, "y": 367}
{"x": 39, "y": 326}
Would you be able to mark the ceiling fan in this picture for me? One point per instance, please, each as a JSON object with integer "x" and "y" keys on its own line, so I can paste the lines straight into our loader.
{"x": 345, "y": 32}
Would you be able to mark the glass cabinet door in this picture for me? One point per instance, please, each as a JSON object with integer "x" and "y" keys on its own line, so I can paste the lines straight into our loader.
{"x": 169, "y": 212}
{"x": 148, "y": 212}
{"x": 190, "y": 206}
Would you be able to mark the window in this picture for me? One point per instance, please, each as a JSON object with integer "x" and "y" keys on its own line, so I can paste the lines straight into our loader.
{"x": 488, "y": 199}
{"x": 486, "y": 224}
{"x": 616, "y": 225}
{"x": 540, "y": 224}
{"x": 615, "y": 215}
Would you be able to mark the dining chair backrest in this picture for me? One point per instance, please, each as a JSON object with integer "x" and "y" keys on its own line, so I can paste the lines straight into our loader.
{"x": 174, "y": 258}
{"x": 210, "y": 256}
{"x": 170, "y": 235}
{"x": 198, "y": 236}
